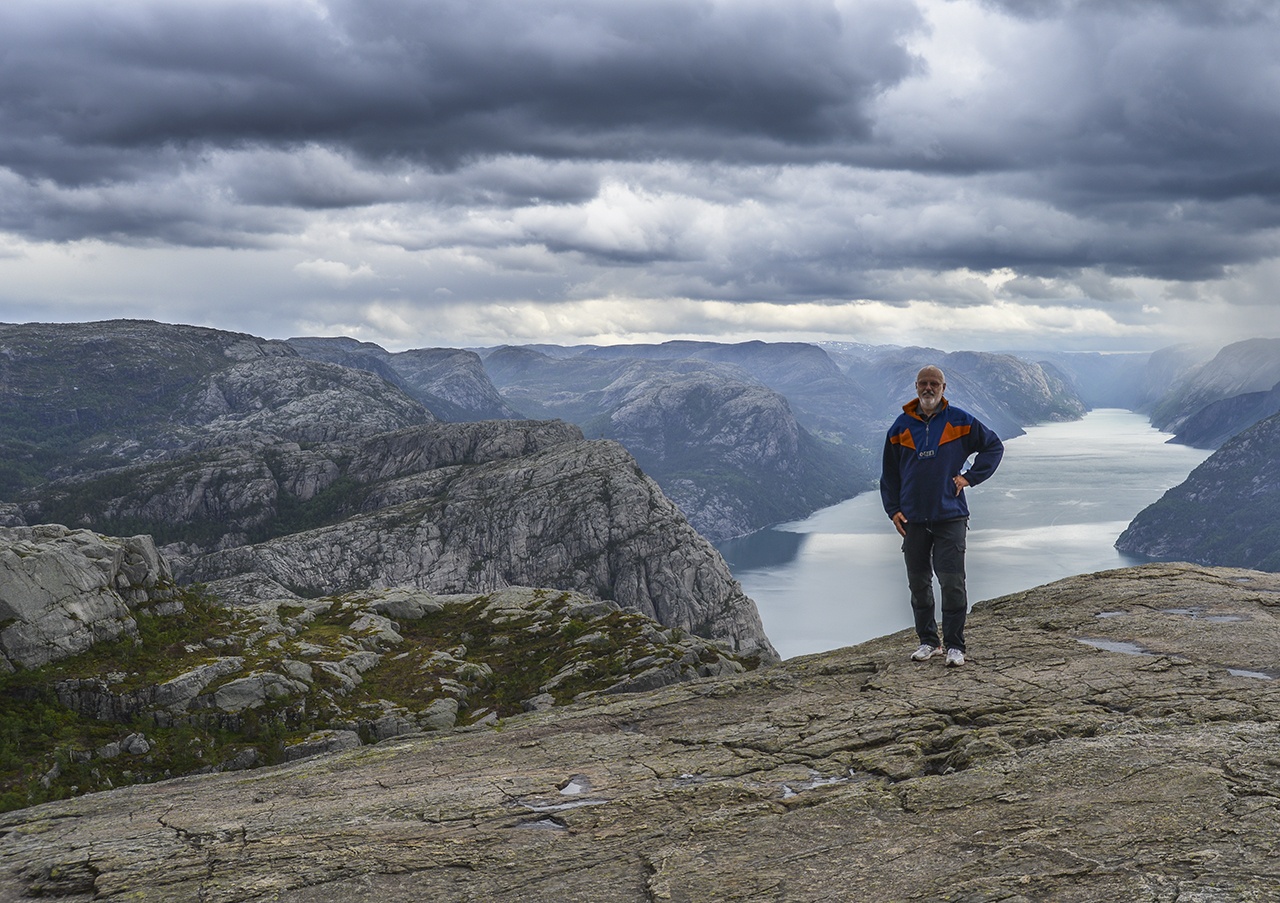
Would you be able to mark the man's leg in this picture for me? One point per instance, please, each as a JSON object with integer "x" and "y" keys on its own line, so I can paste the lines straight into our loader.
{"x": 948, "y": 560}
{"x": 916, "y": 548}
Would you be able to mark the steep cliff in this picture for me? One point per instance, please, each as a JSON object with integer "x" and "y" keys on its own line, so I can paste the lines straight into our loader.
{"x": 112, "y": 675}
{"x": 578, "y": 516}
{"x": 1113, "y": 738}
{"x": 1227, "y": 511}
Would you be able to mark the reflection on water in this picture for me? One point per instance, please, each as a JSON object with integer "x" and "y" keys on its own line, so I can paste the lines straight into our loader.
{"x": 1062, "y": 495}
{"x": 765, "y": 549}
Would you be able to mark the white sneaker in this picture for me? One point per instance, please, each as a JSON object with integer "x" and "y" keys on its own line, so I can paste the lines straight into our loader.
{"x": 954, "y": 658}
{"x": 925, "y": 652}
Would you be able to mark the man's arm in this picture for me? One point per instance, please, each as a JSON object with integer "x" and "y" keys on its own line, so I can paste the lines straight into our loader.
{"x": 891, "y": 486}
{"x": 990, "y": 450}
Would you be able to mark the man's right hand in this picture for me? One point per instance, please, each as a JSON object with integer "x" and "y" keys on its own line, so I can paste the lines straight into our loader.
{"x": 900, "y": 521}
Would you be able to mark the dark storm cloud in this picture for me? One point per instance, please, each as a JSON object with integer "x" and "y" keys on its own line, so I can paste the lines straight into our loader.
{"x": 83, "y": 87}
{"x": 1196, "y": 12}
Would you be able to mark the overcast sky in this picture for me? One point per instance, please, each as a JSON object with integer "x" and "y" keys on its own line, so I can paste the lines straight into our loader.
{"x": 1099, "y": 174}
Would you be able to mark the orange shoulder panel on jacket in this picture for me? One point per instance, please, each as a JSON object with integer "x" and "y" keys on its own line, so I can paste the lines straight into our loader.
{"x": 951, "y": 431}
{"x": 903, "y": 438}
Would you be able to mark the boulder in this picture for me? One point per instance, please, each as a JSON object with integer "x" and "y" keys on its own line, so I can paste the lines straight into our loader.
{"x": 63, "y": 590}
{"x": 179, "y": 692}
{"x": 322, "y": 742}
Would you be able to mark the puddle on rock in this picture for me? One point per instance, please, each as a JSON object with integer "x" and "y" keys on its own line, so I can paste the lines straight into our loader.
{"x": 1124, "y": 646}
{"x": 1198, "y": 614}
{"x": 1240, "y": 672}
{"x": 542, "y": 824}
{"x": 575, "y": 786}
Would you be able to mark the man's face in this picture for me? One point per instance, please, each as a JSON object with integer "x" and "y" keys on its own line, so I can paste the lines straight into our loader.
{"x": 929, "y": 388}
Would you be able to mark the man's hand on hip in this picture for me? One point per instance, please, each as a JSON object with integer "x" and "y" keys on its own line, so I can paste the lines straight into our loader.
{"x": 960, "y": 482}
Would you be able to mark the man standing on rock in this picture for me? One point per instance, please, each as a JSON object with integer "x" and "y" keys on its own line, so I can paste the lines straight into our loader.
{"x": 922, "y": 484}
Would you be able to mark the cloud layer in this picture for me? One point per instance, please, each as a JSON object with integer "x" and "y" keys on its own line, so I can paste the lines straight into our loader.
{"x": 1087, "y": 173}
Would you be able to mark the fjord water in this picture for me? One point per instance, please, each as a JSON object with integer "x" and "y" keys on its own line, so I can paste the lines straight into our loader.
{"x": 1062, "y": 495}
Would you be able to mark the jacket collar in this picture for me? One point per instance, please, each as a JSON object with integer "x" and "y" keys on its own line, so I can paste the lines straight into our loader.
{"x": 912, "y": 407}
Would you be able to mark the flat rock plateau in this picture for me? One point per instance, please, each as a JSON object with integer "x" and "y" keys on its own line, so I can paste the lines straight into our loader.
{"x": 1114, "y": 736}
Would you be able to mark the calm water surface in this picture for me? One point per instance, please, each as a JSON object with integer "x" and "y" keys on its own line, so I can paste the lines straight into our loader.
{"x": 1062, "y": 495}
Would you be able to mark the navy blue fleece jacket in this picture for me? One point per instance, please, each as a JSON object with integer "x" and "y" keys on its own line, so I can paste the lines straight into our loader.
{"x": 922, "y": 454}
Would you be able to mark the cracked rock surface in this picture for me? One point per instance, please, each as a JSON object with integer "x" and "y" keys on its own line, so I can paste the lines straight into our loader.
{"x": 1114, "y": 737}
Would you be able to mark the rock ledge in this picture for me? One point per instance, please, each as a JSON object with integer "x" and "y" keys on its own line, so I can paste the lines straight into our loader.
{"x": 1052, "y": 767}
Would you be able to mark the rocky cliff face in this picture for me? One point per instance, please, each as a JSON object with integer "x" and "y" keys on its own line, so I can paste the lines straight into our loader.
{"x": 1113, "y": 738}
{"x": 1227, "y": 511}
{"x": 296, "y": 400}
{"x": 446, "y": 507}
{"x": 246, "y": 444}
{"x": 249, "y": 486}
{"x": 578, "y": 515}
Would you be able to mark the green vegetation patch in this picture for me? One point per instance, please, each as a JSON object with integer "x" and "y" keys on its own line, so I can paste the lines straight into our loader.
{"x": 89, "y": 722}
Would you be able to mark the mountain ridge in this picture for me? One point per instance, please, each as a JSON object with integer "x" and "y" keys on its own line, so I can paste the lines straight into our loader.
{"x": 217, "y": 442}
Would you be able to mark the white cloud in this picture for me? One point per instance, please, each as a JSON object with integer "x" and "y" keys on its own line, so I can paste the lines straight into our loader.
{"x": 333, "y": 271}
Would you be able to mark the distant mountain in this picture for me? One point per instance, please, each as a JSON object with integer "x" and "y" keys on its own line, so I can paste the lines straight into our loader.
{"x": 1167, "y": 369}
{"x": 450, "y": 383}
{"x": 1002, "y": 390}
{"x": 727, "y": 449}
{"x": 824, "y": 399}
{"x": 744, "y": 435}
{"x": 80, "y": 397}
{"x": 1218, "y": 421}
{"x": 1227, "y": 512}
{"x": 1239, "y": 369}
{"x": 1100, "y": 380}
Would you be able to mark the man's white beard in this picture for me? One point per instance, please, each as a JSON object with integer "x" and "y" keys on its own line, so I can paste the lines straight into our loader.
{"x": 929, "y": 404}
